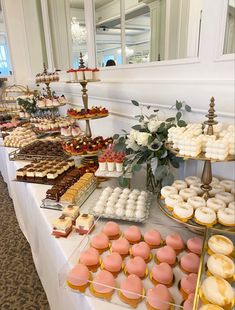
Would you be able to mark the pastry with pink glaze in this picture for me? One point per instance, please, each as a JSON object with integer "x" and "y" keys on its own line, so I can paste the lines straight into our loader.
{"x": 100, "y": 242}
{"x": 153, "y": 238}
{"x": 132, "y": 234}
{"x": 136, "y": 266}
{"x": 131, "y": 290}
{"x": 90, "y": 258}
{"x": 166, "y": 255}
{"x": 158, "y": 298}
{"x": 162, "y": 274}
{"x": 188, "y": 285}
{"x": 112, "y": 263}
{"x": 188, "y": 304}
{"x": 103, "y": 285}
{"x": 78, "y": 278}
{"x": 190, "y": 263}
{"x": 175, "y": 241}
{"x": 195, "y": 245}
{"x": 121, "y": 246}
{"x": 141, "y": 249}
{"x": 112, "y": 230}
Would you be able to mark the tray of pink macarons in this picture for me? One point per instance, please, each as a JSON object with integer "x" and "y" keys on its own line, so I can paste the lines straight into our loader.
{"x": 152, "y": 266}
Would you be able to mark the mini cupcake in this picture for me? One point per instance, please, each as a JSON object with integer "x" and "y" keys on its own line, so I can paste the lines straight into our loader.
{"x": 188, "y": 285}
{"x": 100, "y": 242}
{"x": 175, "y": 241}
{"x": 90, "y": 258}
{"x": 132, "y": 234}
{"x": 136, "y": 266}
{"x": 189, "y": 263}
{"x": 219, "y": 244}
{"x": 120, "y": 246}
{"x": 195, "y": 245}
{"x": 141, "y": 249}
{"x": 103, "y": 285}
{"x": 112, "y": 263}
{"x": 153, "y": 238}
{"x": 159, "y": 298}
{"x": 166, "y": 255}
{"x": 162, "y": 274}
{"x": 112, "y": 230}
{"x": 78, "y": 278}
{"x": 131, "y": 290}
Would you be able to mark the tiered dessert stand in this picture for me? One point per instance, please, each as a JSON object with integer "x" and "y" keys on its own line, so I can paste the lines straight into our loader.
{"x": 206, "y": 177}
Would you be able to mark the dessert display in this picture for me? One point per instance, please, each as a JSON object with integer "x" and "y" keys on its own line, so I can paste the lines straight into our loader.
{"x": 45, "y": 124}
{"x": 112, "y": 230}
{"x": 46, "y": 77}
{"x": 78, "y": 278}
{"x": 62, "y": 226}
{"x": 189, "y": 205}
{"x": 136, "y": 266}
{"x": 20, "y": 137}
{"x": 84, "y": 223}
{"x": 45, "y": 171}
{"x": 71, "y": 131}
{"x": 48, "y": 102}
{"x": 111, "y": 161}
{"x": 81, "y": 74}
{"x": 93, "y": 112}
{"x": 90, "y": 258}
{"x": 86, "y": 146}
{"x": 122, "y": 204}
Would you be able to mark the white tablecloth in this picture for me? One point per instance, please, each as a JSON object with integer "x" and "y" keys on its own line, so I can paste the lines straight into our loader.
{"x": 49, "y": 254}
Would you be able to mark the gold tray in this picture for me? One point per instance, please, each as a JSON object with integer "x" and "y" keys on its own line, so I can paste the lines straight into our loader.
{"x": 87, "y": 118}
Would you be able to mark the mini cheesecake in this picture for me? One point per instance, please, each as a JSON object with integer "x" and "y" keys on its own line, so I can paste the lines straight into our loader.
{"x": 51, "y": 175}
{"x": 20, "y": 174}
{"x": 62, "y": 226}
{"x": 84, "y": 223}
{"x": 30, "y": 173}
{"x": 71, "y": 211}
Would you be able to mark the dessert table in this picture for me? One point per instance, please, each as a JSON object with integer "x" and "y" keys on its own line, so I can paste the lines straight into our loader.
{"x": 51, "y": 254}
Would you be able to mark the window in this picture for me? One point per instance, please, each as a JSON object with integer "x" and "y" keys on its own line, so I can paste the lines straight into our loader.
{"x": 5, "y": 66}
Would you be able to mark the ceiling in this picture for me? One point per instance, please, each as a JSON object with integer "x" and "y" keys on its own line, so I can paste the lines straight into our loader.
{"x": 79, "y": 4}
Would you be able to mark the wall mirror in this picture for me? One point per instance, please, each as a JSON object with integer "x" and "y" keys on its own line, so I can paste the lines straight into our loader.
{"x": 229, "y": 38}
{"x": 154, "y": 30}
{"x": 5, "y": 63}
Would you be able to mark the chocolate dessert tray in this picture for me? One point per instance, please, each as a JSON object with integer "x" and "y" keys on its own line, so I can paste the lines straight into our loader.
{"x": 115, "y": 297}
{"x": 15, "y": 155}
{"x": 191, "y": 223}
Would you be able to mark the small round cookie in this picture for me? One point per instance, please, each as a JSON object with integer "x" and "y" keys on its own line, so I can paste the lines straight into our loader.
{"x": 215, "y": 204}
{"x": 228, "y": 185}
{"x": 226, "y": 217}
{"x": 172, "y": 200}
{"x": 180, "y": 184}
{"x": 221, "y": 266}
{"x": 168, "y": 190}
{"x": 205, "y": 216}
{"x": 196, "y": 202}
{"x": 187, "y": 193}
{"x": 183, "y": 211}
{"x": 220, "y": 244}
{"x": 226, "y": 197}
{"x": 216, "y": 188}
{"x": 197, "y": 188}
{"x": 231, "y": 205}
{"x": 192, "y": 179}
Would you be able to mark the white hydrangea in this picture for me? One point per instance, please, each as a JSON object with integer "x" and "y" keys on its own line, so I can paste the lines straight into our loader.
{"x": 153, "y": 125}
{"x": 142, "y": 138}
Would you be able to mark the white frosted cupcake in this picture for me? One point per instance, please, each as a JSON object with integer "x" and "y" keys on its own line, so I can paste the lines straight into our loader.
{"x": 196, "y": 202}
{"x": 183, "y": 211}
{"x": 226, "y": 197}
{"x": 205, "y": 216}
{"x": 172, "y": 200}
{"x": 226, "y": 217}
{"x": 197, "y": 188}
{"x": 180, "y": 184}
{"x": 228, "y": 185}
{"x": 187, "y": 193}
{"x": 215, "y": 204}
{"x": 192, "y": 179}
{"x": 168, "y": 190}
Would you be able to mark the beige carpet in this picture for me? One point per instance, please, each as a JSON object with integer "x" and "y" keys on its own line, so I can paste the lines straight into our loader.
{"x": 20, "y": 287}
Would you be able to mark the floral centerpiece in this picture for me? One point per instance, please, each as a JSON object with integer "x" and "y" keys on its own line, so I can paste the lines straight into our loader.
{"x": 27, "y": 103}
{"x": 145, "y": 144}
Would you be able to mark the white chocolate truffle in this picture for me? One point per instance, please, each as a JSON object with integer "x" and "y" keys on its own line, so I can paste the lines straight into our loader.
{"x": 226, "y": 197}
{"x": 109, "y": 204}
{"x": 130, "y": 207}
{"x": 192, "y": 179}
{"x": 211, "y": 290}
{"x": 205, "y": 216}
{"x": 221, "y": 266}
{"x": 215, "y": 204}
{"x": 139, "y": 214}
{"x": 119, "y": 205}
{"x": 136, "y": 191}
{"x": 133, "y": 196}
{"x": 109, "y": 210}
{"x": 126, "y": 191}
{"x": 140, "y": 207}
{"x": 226, "y": 217}
{"x": 220, "y": 244}
{"x": 118, "y": 190}
{"x": 120, "y": 212}
{"x": 196, "y": 202}
{"x": 129, "y": 213}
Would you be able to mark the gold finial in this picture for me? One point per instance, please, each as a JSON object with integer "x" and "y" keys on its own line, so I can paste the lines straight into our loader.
{"x": 211, "y": 117}
{"x": 81, "y": 61}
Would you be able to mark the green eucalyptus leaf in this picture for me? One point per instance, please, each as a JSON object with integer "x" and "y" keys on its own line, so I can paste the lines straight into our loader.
{"x": 123, "y": 182}
{"x": 148, "y": 107}
{"x": 187, "y": 108}
{"x": 124, "y": 131}
{"x": 181, "y": 123}
{"x": 168, "y": 179}
{"x": 136, "y": 127}
{"x": 137, "y": 116}
{"x": 178, "y": 105}
{"x": 170, "y": 119}
{"x": 119, "y": 147}
{"x": 136, "y": 168}
{"x": 156, "y": 110}
{"x": 136, "y": 103}
{"x": 121, "y": 140}
{"x": 116, "y": 136}
{"x": 178, "y": 115}
{"x": 160, "y": 172}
